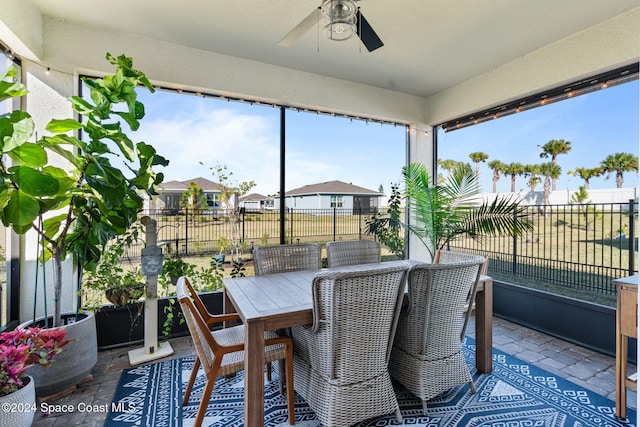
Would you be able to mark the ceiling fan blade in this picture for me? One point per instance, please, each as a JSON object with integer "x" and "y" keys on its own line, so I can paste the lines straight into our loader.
{"x": 366, "y": 33}
{"x": 301, "y": 29}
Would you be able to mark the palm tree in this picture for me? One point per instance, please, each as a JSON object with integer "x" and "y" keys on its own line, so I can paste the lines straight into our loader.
{"x": 550, "y": 171}
{"x": 497, "y": 167}
{"x": 442, "y": 212}
{"x": 533, "y": 173}
{"x": 620, "y": 163}
{"x": 590, "y": 213}
{"x": 513, "y": 169}
{"x": 448, "y": 165}
{"x": 553, "y": 148}
{"x": 477, "y": 157}
{"x": 586, "y": 174}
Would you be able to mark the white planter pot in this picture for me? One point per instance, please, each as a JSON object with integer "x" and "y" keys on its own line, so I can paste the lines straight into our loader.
{"x": 72, "y": 365}
{"x": 18, "y": 408}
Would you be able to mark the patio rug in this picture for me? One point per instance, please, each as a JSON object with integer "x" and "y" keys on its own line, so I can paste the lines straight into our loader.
{"x": 515, "y": 394}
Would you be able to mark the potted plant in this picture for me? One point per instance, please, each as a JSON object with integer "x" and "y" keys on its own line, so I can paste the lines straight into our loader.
{"x": 120, "y": 286}
{"x": 176, "y": 267}
{"x": 224, "y": 244}
{"x": 440, "y": 213}
{"x": 20, "y": 349}
{"x": 77, "y": 210}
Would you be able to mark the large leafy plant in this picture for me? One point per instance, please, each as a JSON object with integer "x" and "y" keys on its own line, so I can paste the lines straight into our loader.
{"x": 440, "y": 213}
{"x": 77, "y": 209}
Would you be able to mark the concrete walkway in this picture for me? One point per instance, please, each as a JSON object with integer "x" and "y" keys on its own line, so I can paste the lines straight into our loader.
{"x": 584, "y": 367}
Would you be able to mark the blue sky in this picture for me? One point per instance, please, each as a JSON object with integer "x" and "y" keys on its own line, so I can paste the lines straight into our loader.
{"x": 597, "y": 124}
{"x": 190, "y": 130}
{"x": 195, "y": 133}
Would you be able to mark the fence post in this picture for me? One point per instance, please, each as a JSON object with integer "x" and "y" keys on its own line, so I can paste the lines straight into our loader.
{"x": 514, "y": 264}
{"x": 242, "y": 211}
{"x": 291, "y": 227}
{"x": 632, "y": 237}
{"x": 360, "y": 223}
{"x": 334, "y": 224}
{"x": 186, "y": 231}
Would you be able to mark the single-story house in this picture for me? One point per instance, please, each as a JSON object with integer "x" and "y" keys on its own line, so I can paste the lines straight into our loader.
{"x": 171, "y": 194}
{"x": 332, "y": 194}
{"x": 255, "y": 202}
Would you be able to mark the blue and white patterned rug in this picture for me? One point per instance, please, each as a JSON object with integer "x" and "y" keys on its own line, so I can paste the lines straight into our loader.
{"x": 515, "y": 394}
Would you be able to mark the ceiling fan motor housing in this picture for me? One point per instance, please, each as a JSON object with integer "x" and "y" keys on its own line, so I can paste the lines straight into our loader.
{"x": 341, "y": 18}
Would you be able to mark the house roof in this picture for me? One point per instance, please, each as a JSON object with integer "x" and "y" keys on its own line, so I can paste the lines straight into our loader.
{"x": 253, "y": 197}
{"x": 204, "y": 184}
{"x": 332, "y": 187}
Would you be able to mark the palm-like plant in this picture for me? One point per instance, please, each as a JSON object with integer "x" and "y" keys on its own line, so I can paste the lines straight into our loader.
{"x": 513, "y": 170}
{"x": 620, "y": 163}
{"x": 586, "y": 174}
{"x": 497, "y": 167}
{"x": 550, "y": 171}
{"x": 552, "y": 149}
{"x": 441, "y": 213}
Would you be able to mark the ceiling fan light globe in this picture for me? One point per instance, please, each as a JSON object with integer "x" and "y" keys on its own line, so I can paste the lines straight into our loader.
{"x": 340, "y": 30}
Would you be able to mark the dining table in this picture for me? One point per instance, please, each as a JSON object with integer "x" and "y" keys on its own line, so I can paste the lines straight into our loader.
{"x": 283, "y": 300}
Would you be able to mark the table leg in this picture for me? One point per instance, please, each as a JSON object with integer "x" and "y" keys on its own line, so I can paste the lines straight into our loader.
{"x": 484, "y": 325}
{"x": 254, "y": 374}
{"x": 228, "y": 308}
{"x": 621, "y": 371}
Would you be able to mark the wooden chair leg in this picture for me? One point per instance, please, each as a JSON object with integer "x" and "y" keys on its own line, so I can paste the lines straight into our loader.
{"x": 268, "y": 368}
{"x": 204, "y": 401}
{"x": 206, "y": 393}
{"x": 289, "y": 375}
{"x": 192, "y": 379}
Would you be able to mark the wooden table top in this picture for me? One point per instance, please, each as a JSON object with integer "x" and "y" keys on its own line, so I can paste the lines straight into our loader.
{"x": 270, "y": 295}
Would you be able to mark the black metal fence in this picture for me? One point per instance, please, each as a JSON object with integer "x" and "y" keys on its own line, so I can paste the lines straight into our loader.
{"x": 200, "y": 232}
{"x": 580, "y": 247}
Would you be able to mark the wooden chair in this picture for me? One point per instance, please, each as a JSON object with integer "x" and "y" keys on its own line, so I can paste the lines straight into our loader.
{"x": 283, "y": 258}
{"x": 427, "y": 354}
{"x": 341, "y": 358}
{"x": 221, "y": 352}
{"x": 352, "y": 252}
{"x": 450, "y": 257}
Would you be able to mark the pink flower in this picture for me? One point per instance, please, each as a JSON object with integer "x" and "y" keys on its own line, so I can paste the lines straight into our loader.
{"x": 22, "y": 348}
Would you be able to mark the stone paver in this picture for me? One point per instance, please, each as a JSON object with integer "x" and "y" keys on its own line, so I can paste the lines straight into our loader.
{"x": 582, "y": 366}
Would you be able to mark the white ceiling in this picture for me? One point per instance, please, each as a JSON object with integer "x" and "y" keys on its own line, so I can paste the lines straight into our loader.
{"x": 430, "y": 45}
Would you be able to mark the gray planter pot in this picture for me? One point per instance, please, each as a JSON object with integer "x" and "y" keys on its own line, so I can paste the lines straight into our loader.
{"x": 75, "y": 363}
{"x": 17, "y": 407}
{"x": 120, "y": 326}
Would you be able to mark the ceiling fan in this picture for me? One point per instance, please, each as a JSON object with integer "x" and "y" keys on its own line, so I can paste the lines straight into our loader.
{"x": 343, "y": 19}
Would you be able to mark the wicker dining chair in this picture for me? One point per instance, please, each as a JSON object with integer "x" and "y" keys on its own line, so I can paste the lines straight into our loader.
{"x": 341, "y": 359}
{"x": 283, "y": 258}
{"x": 221, "y": 352}
{"x": 449, "y": 257}
{"x": 427, "y": 356}
{"x": 352, "y": 252}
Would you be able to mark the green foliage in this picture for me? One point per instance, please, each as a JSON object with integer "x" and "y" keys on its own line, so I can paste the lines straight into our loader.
{"x": 440, "y": 213}
{"x": 590, "y": 213}
{"x": 388, "y": 230}
{"x": 95, "y": 200}
{"x": 223, "y": 244}
{"x": 238, "y": 269}
{"x": 619, "y": 163}
{"x": 172, "y": 268}
{"x": 119, "y": 285}
{"x": 264, "y": 240}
